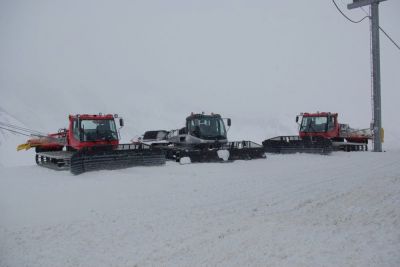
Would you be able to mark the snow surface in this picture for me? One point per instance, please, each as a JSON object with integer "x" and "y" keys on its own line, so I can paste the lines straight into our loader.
{"x": 286, "y": 210}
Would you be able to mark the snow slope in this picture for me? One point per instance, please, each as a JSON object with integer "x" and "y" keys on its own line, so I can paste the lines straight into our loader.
{"x": 292, "y": 210}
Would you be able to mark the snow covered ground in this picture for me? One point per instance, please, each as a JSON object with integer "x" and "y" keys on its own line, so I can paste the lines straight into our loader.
{"x": 286, "y": 210}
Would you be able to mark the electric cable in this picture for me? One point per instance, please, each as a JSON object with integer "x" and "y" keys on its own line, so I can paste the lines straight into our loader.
{"x": 368, "y": 16}
{"x": 13, "y": 131}
{"x": 19, "y": 128}
{"x": 349, "y": 19}
{"x": 387, "y": 35}
{"x": 383, "y": 31}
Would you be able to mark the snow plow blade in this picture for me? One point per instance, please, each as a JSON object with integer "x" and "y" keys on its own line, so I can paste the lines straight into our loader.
{"x": 25, "y": 146}
{"x": 102, "y": 158}
{"x": 294, "y": 144}
{"x": 242, "y": 150}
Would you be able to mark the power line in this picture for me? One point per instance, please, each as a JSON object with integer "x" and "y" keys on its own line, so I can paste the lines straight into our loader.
{"x": 22, "y": 129}
{"x": 383, "y": 31}
{"x": 349, "y": 19}
{"x": 387, "y": 35}
{"x": 20, "y": 132}
{"x": 14, "y": 131}
{"x": 367, "y": 16}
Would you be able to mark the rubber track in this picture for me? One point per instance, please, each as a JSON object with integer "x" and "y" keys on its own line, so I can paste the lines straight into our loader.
{"x": 84, "y": 161}
{"x": 101, "y": 158}
{"x": 293, "y": 144}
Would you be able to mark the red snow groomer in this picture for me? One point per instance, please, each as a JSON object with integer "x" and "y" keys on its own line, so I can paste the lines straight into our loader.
{"x": 91, "y": 142}
{"x": 320, "y": 133}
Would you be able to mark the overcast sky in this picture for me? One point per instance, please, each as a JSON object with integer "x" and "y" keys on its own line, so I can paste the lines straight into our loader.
{"x": 156, "y": 61}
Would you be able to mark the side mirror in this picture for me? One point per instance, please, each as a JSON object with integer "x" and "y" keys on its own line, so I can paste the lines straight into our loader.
{"x": 297, "y": 118}
{"x": 121, "y": 122}
{"x": 229, "y": 122}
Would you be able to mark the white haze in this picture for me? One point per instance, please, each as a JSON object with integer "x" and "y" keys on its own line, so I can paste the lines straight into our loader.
{"x": 257, "y": 62}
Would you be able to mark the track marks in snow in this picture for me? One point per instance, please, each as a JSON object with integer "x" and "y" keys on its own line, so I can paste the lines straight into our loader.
{"x": 287, "y": 210}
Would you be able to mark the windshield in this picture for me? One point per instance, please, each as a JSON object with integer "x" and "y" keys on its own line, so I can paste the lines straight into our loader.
{"x": 156, "y": 135}
{"x": 96, "y": 130}
{"x": 314, "y": 124}
{"x": 207, "y": 128}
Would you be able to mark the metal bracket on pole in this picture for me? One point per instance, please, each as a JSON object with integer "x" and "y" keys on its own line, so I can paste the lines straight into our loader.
{"x": 360, "y": 3}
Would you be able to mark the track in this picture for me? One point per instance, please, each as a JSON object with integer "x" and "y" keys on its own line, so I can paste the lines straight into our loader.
{"x": 294, "y": 144}
{"x": 349, "y": 146}
{"x": 56, "y": 160}
{"x": 101, "y": 158}
{"x": 124, "y": 157}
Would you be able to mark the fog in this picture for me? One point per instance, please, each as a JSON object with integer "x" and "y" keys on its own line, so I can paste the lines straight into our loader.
{"x": 153, "y": 62}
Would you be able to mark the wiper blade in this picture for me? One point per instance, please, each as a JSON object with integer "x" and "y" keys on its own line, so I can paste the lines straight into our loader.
{"x": 214, "y": 137}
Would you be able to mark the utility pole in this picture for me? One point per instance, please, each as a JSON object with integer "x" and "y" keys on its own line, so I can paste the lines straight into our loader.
{"x": 376, "y": 69}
